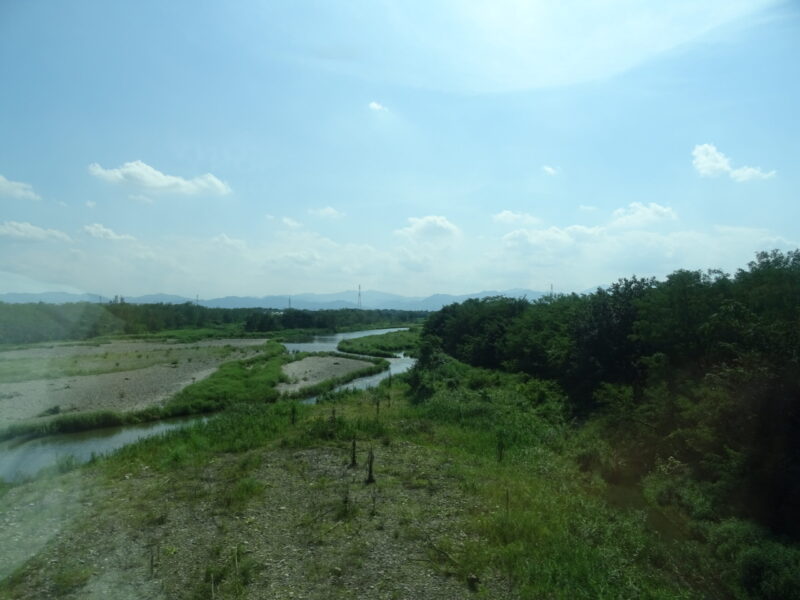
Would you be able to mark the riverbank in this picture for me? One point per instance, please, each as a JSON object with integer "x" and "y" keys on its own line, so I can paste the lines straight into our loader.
{"x": 267, "y": 501}
{"x": 284, "y": 519}
{"x": 254, "y": 379}
{"x": 37, "y": 384}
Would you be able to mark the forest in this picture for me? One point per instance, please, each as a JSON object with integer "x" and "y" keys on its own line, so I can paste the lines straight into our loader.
{"x": 688, "y": 387}
{"x": 39, "y": 322}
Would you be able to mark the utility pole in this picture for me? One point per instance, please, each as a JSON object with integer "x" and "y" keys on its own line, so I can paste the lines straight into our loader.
{"x": 359, "y": 295}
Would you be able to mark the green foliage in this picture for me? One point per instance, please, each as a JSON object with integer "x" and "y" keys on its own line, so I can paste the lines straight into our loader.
{"x": 701, "y": 368}
{"x": 385, "y": 345}
{"x": 31, "y": 323}
{"x": 764, "y": 568}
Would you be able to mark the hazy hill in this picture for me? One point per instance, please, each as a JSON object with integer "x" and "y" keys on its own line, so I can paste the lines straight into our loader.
{"x": 346, "y": 299}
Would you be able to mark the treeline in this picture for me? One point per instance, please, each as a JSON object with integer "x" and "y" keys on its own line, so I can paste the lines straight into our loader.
{"x": 343, "y": 318}
{"x": 694, "y": 380}
{"x": 39, "y": 322}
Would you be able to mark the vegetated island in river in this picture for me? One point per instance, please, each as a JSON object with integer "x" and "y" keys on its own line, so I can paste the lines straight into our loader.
{"x": 74, "y": 386}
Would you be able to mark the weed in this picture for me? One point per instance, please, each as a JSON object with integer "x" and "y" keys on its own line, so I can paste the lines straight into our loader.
{"x": 245, "y": 490}
{"x": 69, "y": 579}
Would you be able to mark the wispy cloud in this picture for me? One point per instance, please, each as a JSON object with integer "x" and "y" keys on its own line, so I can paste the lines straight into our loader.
{"x": 17, "y": 189}
{"x": 144, "y": 176}
{"x": 27, "y": 231}
{"x": 90, "y": 204}
{"x": 377, "y": 107}
{"x": 552, "y": 171}
{"x": 511, "y": 218}
{"x": 224, "y": 239}
{"x": 104, "y": 233}
{"x": 291, "y": 223}
{"x": 431, "y": 228}
{"x": 327, "y": 212}
{"x": 637, "y": 215}
{"x": 710, "y": 162}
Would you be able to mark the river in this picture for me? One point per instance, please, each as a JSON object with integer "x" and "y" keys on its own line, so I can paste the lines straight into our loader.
{"x": 329, "y": 343}
{"x": 22, "y": 458}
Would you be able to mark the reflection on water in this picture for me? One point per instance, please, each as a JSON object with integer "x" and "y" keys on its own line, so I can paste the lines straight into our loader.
{"x": 20, "y": 458}
{"x": 328, "y": 343}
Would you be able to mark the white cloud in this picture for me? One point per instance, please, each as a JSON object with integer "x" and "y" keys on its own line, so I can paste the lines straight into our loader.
{"x": 637, "y": 214}
{"x": 328, "y": 212}
{"x": 104, "y": 233}
{"x": 224, "y": 240}
{"x": 431, "y": 228}
{"x": 748, "y": 173}
{"x": 291, "y": 223}
{"x": 26, "y": 231}
{"x": 144, "y": 176}
{"x": 140, "y": 198}
{"x": 511, "y": 218}
{"x": 377, "y": 107}
{"x": 90, "y": 203}
{"x": 17, "y": 189}
{"x": 710, "y": 162}
{"x": 552, "y": 171}
{"x": 587, "y": 207}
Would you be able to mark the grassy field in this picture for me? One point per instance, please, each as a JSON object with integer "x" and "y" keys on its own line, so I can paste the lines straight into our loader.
{"x": 478, "y": 493}
{"x": 385, "y": 345}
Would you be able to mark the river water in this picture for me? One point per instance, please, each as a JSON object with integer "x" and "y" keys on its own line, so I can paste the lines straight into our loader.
{"x": 22, "y": 458}
{"x": 328, "y": 343}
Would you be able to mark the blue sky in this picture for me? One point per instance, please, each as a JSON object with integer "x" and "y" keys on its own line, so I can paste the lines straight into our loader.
{"x": 254, "y": 148}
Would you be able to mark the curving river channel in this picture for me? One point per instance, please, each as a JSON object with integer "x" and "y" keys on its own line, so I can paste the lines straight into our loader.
{"x": 21, "y": 458}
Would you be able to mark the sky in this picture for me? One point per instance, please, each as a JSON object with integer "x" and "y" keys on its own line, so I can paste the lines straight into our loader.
{"x": 415, "y": 147}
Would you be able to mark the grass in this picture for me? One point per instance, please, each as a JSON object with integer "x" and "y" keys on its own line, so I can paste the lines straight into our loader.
{"x": 535, "y": 521}
{"x": 542, "y": 525}
{"x": 385, "y": 345}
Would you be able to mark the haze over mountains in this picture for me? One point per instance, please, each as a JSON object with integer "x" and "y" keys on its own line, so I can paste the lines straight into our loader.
{"x": 346, "y": 299}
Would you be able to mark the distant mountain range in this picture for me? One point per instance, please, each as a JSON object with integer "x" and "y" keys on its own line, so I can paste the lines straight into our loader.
{"x": 348, "y": 299}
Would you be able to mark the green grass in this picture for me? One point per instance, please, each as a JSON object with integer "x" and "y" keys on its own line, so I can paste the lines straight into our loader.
{"x": 385, "y": 345}
{"x": 537, "y": 519}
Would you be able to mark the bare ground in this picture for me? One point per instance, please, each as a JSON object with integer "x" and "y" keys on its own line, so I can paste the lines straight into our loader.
{"x": 121, "y": 390}
{"x": 315, "y": 369}
{"x": 314, "y": 530}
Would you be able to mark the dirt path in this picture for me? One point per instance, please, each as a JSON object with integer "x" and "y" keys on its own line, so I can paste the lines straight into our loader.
{"x": 313, "y": 530}
{"x": 33, "y": 514}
